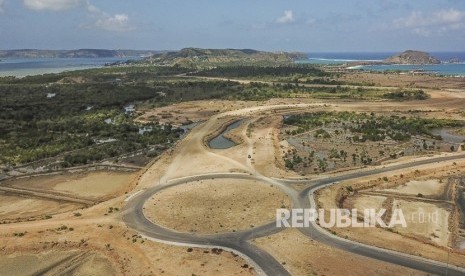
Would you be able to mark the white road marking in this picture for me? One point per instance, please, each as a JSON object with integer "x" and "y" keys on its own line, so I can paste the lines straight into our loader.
{"x": 133, "y": 195}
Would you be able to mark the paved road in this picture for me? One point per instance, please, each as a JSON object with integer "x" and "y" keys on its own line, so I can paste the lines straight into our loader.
{"x": 306, "y": 200}
{"x": 264, "y": 263}
{"x": 238, "y": 241}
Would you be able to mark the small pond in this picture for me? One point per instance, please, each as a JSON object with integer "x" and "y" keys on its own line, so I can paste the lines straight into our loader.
{"x": 221, "y": 142}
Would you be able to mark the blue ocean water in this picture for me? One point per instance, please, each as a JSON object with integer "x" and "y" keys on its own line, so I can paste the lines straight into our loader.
{"x": 21, "y": 67}
{"x": 340, "y": 58}
{"x": 25, "y": 67}
{"x": 456, "y": 69}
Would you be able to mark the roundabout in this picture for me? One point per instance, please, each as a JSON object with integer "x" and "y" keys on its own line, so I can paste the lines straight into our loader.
{"x": 238, "y": 242}
{"x": 175, "y": 196}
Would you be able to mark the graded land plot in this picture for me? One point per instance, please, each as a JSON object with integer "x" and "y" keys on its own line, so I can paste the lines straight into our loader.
{"x": 303, "y": 256}
{"x": 257, "y": 145}
{"x": 402, "y": 80}
{"x": 430, "y": 218}
{"x": 16, "y": 208}
{"x": 363, "y": 202}
{"x": 190, "y": 261}
{"x": 194, "y": 111}
{"x": 52, "y": 262}
{"x": 267, "y": 149}
{"x": 424, "y": 220}
{"x": 93, "y": 185}
{"x": 429, "y": 187}
{"x": 104, "y": 246}
{"x": 217, "y": 205}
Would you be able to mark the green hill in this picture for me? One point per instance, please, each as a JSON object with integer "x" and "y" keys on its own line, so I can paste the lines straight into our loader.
{"x": 194, "y": 57}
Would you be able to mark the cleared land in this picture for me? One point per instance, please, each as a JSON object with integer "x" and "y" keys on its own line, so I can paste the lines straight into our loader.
{"x": 107, "y": 247}
{"x": 430, "y": 187}
{"x": 186, "y": 112}
{"x": 49, "y": 263}
{"x": 93, "y": 185}
{"x": 215, "y": 206}
{"x": 302, "y": 256}
{"x": 39, "y": 197}
{"x": 430, "y": 217}
{"x": 403, "y": 80}
{"x": 18, "y": 208}
{"x": 368, "y": 202}
{"x": 426, "y": 220}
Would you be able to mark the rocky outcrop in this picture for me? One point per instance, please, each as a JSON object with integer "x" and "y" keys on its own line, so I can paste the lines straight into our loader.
{"x": 412, "y": 57}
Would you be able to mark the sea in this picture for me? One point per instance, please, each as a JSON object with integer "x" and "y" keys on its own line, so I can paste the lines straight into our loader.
{"x": 21, "y": 67}
{"x": 447, "y": 68}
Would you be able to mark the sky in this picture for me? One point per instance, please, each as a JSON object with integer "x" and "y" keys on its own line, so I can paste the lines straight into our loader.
{"x": 288, "y": 25}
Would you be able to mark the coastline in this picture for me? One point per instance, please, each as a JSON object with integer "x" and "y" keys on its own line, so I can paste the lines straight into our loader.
{"x": 452, "y": 63}
{"x": 23, "y": 67}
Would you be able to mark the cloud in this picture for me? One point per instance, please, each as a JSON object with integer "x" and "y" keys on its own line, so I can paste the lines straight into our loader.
{"x": 91, "y": 8}
{"x": 102, "y": 20}
{"x": 2, "y": 3}
{"x": 116, "y": 23}
{"x": 437, "y": 22}
{"x": 287, "y": 17}
{"x": 53, "y": 5}
{"x": 107, "y": 22}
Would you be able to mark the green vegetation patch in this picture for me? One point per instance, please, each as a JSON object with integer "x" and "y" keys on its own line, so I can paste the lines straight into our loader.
{"x": 262, "y": 71}
{"x": 407, "y": 95}
{"x": 369, "y": 127}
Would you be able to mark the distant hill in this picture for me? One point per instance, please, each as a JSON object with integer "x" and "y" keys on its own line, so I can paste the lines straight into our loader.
{"x": 80, "y": 53}
{"x": 412, "y": 57}
{"x": 214, "y": 57}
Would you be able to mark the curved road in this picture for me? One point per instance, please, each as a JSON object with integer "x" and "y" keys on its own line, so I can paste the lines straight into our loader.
{"x": 306, "y": 200}
{"x": 240, "y": 242}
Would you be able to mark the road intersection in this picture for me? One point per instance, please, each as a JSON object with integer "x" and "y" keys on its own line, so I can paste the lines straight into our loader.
{"x": 241, "y": 241}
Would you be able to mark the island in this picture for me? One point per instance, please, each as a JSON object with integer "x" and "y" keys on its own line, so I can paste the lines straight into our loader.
{"x": 412, "y": 57}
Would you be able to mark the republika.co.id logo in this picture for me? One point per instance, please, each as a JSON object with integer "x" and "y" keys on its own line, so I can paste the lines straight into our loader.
{"x": 341, "y": 218}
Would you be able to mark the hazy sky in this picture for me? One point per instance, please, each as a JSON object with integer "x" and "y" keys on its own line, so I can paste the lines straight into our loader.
{"x": 301, "y": 25}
